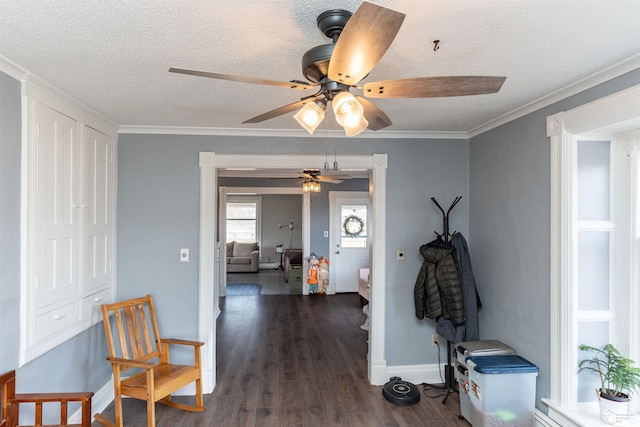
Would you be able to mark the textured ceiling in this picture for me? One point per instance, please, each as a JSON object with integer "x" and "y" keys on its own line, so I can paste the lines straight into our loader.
{"x": 114, "y": 55}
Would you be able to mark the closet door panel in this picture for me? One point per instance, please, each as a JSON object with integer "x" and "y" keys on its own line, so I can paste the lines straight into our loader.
{"x": 98, "y": 209}
{"x": 57, "y": 206}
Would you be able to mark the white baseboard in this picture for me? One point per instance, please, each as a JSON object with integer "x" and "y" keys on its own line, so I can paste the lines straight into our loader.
{"x": 417, "y": 374}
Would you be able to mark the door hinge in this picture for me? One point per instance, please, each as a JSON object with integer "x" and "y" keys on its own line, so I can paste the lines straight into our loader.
{"x": 38, "y": 130}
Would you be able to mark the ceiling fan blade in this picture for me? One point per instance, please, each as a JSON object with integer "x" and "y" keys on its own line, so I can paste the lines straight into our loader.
{"x": 434, "y": 87}
{"x": 278, "y": 111}
{"x": 243, "y": 79}
{"x": 375, "y": 116}
{"x": 329, "y": 180}
{"x": 363, "y": 41}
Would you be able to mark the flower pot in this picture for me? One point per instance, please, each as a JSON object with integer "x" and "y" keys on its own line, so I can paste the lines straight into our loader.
{"x": 613, "y": 409}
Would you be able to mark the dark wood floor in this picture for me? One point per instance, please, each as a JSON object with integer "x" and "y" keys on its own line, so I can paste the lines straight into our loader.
{"x": 291, "y": 360}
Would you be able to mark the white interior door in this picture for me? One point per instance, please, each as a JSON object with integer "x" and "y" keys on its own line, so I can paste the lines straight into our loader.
{"x": 349, "y": 242}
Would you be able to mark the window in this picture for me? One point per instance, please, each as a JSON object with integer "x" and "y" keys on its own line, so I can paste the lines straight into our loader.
{"x": 595, "y": 244}
{"x": 354, "y": 226}
{"x": 243, "y": 219}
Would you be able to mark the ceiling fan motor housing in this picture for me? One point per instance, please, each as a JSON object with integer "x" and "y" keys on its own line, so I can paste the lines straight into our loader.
{"x": 315, "y": 61}
{"x": 332, "y": 22}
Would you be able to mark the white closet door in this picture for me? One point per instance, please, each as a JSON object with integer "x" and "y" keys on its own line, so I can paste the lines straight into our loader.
{"x": 97, "y": 210}
{"x": 57, "y": 208}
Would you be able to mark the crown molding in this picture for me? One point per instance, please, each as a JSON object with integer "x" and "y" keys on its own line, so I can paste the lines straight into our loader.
{"x": 588, "y": 82}
{"x": 12, "y": 69}
{"x": 287, "y": 133}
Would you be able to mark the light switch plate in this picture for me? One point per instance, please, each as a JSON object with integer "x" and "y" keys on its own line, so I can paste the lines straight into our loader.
{"x": 184, "y": 255}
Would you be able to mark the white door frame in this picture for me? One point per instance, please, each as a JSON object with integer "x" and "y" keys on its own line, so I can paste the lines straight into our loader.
{"x": 333, "y": 195}
{"x": 209, "y": 162}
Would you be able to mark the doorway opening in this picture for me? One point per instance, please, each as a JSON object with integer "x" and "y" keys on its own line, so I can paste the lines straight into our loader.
{"x": 209, "y": 162}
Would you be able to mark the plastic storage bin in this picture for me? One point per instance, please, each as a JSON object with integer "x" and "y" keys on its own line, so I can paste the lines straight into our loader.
{"x": 467, "y": 349}
{"x": 503, "y": 391}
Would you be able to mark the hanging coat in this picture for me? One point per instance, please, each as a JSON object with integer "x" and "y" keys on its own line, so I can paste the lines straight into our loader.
{"x": 469, "y": 291}
{"x": 437, "y": 291}
{"x": 469, "y": 331}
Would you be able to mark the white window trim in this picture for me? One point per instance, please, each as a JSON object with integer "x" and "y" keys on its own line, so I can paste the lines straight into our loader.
{"x": 561, "y": 129}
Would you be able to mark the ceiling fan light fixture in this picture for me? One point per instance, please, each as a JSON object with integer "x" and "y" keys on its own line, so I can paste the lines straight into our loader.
{"x": 358, "y": 128}
{"x": 347, "y": 109}
{"x": 311, "y": 115}
{"x": 311, "y": 186}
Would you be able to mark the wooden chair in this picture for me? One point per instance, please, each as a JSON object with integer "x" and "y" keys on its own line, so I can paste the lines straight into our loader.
{"x": 134, "y": 343}
{"x": 10, "y": 403}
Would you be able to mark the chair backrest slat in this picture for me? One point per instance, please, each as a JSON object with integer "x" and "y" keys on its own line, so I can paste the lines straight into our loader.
{"x": 121, "y": 335}
{"x": 136, "y": 329}
{"x": 147, "y": 338}
{"x": 133, "y": 331}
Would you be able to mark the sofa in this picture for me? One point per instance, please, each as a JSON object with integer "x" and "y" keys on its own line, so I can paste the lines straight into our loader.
{"x": 242, "y": 257}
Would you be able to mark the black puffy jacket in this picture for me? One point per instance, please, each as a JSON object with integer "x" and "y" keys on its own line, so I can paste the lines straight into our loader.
{"x": 437, "y": 291}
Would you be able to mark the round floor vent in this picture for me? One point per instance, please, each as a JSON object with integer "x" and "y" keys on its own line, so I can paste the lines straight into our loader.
{"x": 401, "y": 392}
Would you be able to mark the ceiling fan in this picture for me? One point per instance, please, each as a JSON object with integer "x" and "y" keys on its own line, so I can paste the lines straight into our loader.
{"x": 315, "y": 175}
{"x": 311, "y": 180}
{"x": 359, "y": 41}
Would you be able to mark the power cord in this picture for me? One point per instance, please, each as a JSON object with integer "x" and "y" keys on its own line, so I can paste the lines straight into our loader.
{"x": 434, "y": 391}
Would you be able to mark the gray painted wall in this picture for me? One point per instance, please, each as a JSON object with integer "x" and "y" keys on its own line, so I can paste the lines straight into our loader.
{"x": 10, "y": 158}
{"x": 276, "y": 209}
{"x": 318, "y": 211}
{"x": 163, "y": 169}
{"x": 509, "y": 242}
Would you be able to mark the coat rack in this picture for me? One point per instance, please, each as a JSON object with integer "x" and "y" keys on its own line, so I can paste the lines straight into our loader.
{"x": 445, "y": 218}
{"x": 448, "y": 369}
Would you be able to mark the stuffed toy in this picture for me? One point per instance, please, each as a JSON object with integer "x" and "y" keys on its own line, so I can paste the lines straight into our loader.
{"x": 312, "y": 280}
{"x": 323, "y": 275}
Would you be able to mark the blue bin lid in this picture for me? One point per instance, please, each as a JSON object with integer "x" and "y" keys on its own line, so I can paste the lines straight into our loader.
{"x": 502, "y": 364}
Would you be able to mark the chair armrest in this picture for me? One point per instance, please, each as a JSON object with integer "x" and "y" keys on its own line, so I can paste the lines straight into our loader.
{"x": 53, "y": 397}
{"x": 130, "y": 363}
{"x": 255, "y": 260}
{"x": 181, "y": 342}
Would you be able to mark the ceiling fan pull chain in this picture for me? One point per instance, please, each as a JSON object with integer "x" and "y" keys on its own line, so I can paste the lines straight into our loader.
{"x": 335, "y": 150}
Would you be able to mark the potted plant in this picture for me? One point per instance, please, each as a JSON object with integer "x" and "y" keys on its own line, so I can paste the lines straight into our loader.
{"x": 618, "y": 378}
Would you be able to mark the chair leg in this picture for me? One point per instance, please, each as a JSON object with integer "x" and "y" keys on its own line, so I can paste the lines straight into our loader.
{"x": 151, "y": 400}
{"x": 199, "y": 397}
{"x": 117, "y": 403}
{"x": 151, "y": 413}
{"x": 102, "y": 420}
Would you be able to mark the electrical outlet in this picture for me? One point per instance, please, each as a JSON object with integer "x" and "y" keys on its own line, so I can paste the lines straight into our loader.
{"x": 184, "y": 255}
{"x": 434, "y": 340}
{"x": 400, "y": 255}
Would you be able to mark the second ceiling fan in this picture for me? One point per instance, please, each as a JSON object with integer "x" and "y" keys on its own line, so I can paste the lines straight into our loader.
{"x": 359, "y": 41}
